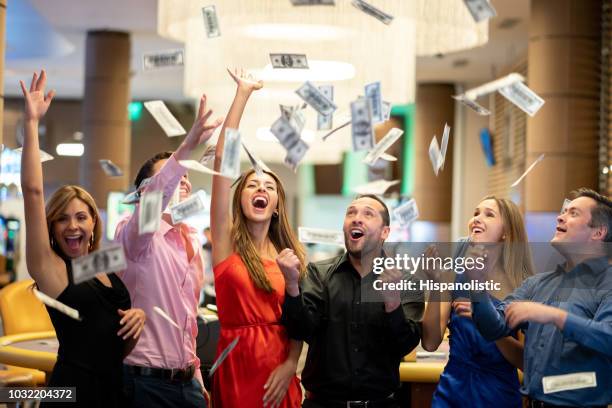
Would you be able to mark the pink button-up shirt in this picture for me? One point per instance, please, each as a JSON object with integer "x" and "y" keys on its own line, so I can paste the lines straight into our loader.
{"x": 159, "y": 274}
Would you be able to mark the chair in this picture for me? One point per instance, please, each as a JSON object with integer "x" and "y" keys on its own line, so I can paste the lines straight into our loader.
{"x": 22, "y": 312}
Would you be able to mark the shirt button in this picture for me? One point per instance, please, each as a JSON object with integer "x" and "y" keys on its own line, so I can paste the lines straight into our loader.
{"x": 356, "y": 349}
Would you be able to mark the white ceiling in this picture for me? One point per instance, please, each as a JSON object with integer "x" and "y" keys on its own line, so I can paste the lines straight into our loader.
{"x": 72, "y": 19}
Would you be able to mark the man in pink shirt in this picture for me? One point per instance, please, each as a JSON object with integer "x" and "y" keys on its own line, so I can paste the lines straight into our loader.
{"x": 165, "y": 271}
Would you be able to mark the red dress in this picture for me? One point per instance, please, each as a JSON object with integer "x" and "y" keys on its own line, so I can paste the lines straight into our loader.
{"x": 254, "y": 315}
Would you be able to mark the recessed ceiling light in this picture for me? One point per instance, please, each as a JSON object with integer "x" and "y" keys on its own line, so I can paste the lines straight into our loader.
{"x": 70, "y": 149}
{"x": 318, "y": 71}
{"x": 295, "y": 32}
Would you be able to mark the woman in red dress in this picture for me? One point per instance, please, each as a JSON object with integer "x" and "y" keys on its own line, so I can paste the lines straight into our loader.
{"x": 260, "y": 370}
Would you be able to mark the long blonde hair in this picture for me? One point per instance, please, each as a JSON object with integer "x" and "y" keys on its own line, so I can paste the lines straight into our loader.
{"x": 516, "y": 254}
{"x": 280, "y": 234}
{"x": 58, "y": 202}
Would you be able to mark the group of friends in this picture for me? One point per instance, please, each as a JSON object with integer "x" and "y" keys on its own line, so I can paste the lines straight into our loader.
{"x": 547, "y": 324}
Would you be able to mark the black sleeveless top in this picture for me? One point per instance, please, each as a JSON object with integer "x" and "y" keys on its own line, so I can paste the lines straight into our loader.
{"x": 90, "y": 353}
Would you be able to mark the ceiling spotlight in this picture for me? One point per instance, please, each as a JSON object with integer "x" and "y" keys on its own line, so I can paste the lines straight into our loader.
{"x": 70, "y": 149}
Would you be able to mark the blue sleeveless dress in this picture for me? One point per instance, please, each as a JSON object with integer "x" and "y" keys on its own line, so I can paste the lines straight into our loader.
{"x": 477, "y": 374}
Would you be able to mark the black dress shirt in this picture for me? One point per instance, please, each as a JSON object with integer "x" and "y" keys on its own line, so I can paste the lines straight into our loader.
{"x": 355, "y": 347}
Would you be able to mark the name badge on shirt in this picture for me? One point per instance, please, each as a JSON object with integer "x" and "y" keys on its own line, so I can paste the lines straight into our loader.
{"x": 567, "y": 382}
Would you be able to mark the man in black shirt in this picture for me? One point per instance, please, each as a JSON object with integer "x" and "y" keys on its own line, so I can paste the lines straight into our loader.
{"x": 355, "y": 343}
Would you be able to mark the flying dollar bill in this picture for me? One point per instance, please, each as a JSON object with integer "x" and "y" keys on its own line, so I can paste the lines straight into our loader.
{"x": 373, "y": 11}
{"x": 284, "y": 132}
{"x": 199, "y": 167}
{"x": 445, "y": 138}
{"x": 110, "y": 168}
{"x": 315, "y": 98}
{"x": 539, "y": 159}
{"x": 104, "y": 260}
{"x": 378, "y": 187}
{"x": 187, "y": 208}
{"x": 223, "y": 356}
{"x": 320, "y": 236}
{"x": 480, "y": 10}
{"x": 387, "y": 157}
{"x": 493, "y": 86}
{"x": 257, "y": 164}
{"x": 382, "y": 146}
{"x": 165, "y": 316}
{"x": 473, "y": 105}
{"x": 230, "y": 163}
{"x": 325, "y": 122}
{"x": 211, "y": 22}
{"x": 342, "y": 126}
{"x": 44, "y": 156}
{"x": 149, "y": 212}
{"x": 524, "y": 98}
{"x": 374, "y": 93}
{"x": 295, "y": 153}
{"x": 295, "y": 61}
{"x": 361, "y": 119}
{"x": 434, "y": 155}
{"x": 164, "y": 59}
{"x": 208, "y": 155}
{"x": 407, "y": 212}
{"x": 386, "y": 109}
{"x": 164, "y": 118}
{"x": 57, "y": 305}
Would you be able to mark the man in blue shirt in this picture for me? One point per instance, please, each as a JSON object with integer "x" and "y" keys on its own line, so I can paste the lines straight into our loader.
{"x": 566, "y": 313}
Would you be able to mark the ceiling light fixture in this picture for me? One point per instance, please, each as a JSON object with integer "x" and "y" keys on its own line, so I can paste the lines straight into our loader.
{"x": 70, "y": 149}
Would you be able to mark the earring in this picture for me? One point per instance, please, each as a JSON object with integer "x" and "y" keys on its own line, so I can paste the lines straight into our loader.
{"x": 91, "y": 241}
{"x": 52, "y": 242}
{"x": 275, "y": 214}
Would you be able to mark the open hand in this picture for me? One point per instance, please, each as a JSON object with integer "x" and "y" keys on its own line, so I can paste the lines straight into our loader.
{"x": 245, "y": 81}
{"x": 36, "y": 103}
{"x": 133, "y": 321}
{"x": 521, "y": 312}
{"x": 278, "y": 383}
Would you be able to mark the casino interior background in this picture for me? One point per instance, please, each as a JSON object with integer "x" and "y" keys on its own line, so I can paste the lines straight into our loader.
{"x": 93, "y": 53}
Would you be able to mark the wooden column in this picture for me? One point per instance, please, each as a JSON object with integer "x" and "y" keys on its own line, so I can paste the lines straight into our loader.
{"x": 434, "y": 108}
{"x": 564, "y": 67}
{"x": 106, "y": 125}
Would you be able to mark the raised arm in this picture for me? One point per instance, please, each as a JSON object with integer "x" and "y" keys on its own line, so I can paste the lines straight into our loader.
{"x": 166, "y": 180}
{"x": 47, "y": 269}
{"x": 220, "y": 216}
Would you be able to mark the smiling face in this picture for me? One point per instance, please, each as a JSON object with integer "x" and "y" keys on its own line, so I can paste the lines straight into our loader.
{"x": 487, "y": 224}
{"x": 73, "y": 229}
{"x": 573, "y": 224}
{"x": 184, "y": 185}
{"x": 364, "y": 228}
{"x": 259, "y": 197}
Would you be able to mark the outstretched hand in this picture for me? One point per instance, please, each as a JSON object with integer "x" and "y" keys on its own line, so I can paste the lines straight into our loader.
{"x": 202, "y": 128}
{"x": 36, "y": 103}
{"x": 245, "y": 81}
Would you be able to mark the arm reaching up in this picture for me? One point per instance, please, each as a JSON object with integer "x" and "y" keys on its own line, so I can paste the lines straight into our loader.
{"x": 220, "y": 217}
{"x": 46, "y": 267}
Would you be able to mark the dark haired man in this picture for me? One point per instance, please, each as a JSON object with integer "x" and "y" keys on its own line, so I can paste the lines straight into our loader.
{"x": 566, "y": 313}
{"x": 356, "y": 342}
{"x": 165, "y": 270}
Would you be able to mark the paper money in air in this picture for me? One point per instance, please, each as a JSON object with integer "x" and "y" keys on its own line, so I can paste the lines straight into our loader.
{"x": 164, "y": 118}
{"x": 294, "y": 61}
{"x": 104, "y": 260}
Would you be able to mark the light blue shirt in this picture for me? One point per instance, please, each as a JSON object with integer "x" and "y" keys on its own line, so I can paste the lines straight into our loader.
{"x": 584, "y": 344}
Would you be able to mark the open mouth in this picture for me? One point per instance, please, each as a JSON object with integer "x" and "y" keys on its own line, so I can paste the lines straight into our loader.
{"x": 561, "y": 229}
{"x": 356, "y": 233}
{"x": 477, "y": 230}
{"x": 260, "y": 202}
{"x": 73, "y": 242}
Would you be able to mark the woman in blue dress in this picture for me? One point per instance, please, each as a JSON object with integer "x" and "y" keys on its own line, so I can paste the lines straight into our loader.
{"x": 480, "y": 373}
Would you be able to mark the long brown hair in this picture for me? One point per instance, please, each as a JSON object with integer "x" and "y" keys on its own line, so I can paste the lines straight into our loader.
{"x": 280, "y": 234}
{"x": 58, "y": 202}
{"x": 516, "y": 255}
